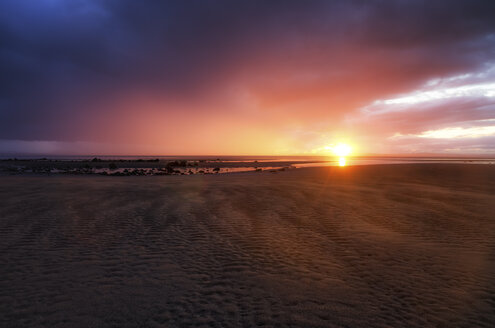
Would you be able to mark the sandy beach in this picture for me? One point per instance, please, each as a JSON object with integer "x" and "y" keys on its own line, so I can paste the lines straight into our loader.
{"x": 364, "y": 246}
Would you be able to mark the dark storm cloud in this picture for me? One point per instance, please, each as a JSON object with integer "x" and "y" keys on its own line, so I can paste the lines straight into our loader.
{"x": 65, "y": 63}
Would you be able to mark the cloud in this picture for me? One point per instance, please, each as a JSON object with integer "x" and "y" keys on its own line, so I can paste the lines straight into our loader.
{"x": 129, "y": 71}
{"x": 456, "y": 109}
{"x": 453, "y": 133}
{"x": 467, "y": 86}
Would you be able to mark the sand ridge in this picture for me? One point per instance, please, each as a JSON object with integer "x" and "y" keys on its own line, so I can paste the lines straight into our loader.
{"x": 375, "y": 246}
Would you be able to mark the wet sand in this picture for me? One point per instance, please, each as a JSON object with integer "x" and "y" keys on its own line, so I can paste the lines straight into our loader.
{"x": 365, "y": 246}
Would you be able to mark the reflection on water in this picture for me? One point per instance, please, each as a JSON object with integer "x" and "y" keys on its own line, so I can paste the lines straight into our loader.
{"x": 373, "y": 160}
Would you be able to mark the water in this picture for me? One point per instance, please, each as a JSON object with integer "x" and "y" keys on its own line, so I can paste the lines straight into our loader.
{"x": 374, "y": 160}
{"x": 297, "y": 161}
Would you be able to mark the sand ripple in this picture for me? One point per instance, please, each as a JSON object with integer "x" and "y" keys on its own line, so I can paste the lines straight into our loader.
{"x": 408, "y": 246}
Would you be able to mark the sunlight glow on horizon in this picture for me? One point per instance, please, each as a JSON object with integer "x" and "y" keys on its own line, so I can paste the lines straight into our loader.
{"x": 342, "y": 150}
{"x": 338, "y": 149}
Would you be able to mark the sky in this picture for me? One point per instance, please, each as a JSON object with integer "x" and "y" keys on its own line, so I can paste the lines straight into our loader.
{"x": 213, "y": 77}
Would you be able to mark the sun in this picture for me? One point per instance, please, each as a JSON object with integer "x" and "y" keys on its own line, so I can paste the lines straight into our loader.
{"x": 342, "y": 150}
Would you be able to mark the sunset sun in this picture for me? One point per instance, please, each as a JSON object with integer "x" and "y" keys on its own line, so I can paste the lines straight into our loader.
{"x": 342, "y": 150}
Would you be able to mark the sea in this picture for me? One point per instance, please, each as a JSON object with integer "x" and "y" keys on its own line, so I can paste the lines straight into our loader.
{"x": 296, "y": 161}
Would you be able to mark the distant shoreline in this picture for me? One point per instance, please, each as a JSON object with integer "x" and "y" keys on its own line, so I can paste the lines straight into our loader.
{"x": 160, "y": 166}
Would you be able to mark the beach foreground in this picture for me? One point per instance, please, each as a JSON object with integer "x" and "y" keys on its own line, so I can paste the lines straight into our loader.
{"x": 365, "y": 246}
